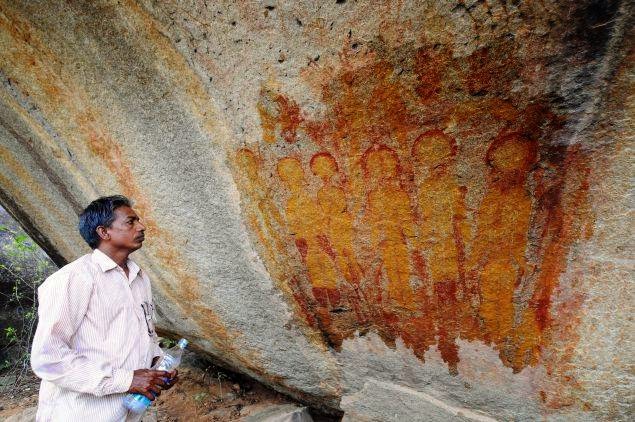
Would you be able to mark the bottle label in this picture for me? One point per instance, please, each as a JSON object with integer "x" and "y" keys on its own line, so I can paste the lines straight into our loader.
{"x": 166, "y": 363}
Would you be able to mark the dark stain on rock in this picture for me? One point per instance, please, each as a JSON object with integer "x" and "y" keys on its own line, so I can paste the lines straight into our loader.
{"x": 592, "y": 23}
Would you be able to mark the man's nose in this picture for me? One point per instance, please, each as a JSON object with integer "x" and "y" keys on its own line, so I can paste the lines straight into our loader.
{"x": 141, "y": 226}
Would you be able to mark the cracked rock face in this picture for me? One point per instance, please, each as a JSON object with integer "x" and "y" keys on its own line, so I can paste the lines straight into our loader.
{"x": 401, "y": 210}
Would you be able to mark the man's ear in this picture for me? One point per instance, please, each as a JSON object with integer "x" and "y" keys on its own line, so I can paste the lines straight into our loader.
{"x": 102, "y": 233}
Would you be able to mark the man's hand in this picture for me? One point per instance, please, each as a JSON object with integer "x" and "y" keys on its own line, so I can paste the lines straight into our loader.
{"x": 174, "y": 375}
{"x": 150, "y": 382}
{"x": 173, "y": 378}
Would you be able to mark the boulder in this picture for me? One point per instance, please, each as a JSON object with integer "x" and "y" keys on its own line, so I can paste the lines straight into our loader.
{"x": 401, "y": 210}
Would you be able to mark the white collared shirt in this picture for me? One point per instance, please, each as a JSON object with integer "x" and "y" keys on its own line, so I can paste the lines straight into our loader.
{"x": 95, "y": 328}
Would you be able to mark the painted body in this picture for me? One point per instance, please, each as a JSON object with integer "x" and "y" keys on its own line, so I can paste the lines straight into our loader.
{"x": 389, "y": 213}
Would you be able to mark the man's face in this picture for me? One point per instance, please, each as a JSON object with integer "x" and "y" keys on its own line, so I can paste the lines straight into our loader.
{"x": 126, "y": 231}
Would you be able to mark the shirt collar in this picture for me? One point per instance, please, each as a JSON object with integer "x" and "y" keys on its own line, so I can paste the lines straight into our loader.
{"x": 103, "y": 260}
{"x": 133, "y": 269}
{"x": 107, "y": 264}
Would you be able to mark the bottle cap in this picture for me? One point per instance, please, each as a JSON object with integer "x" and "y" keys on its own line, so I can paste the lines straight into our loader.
{"x": 182, "y": 343}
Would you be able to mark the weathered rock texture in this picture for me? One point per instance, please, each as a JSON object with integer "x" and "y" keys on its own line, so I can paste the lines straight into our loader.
{"x": 404, "y": 210}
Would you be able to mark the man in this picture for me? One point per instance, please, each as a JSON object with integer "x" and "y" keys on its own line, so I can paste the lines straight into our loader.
{"x": 96, "y": 326}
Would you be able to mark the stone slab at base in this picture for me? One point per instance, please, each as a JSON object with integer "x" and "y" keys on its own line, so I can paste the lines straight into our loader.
{"x": 382, "y": 401}
{"x": 282, "y": 413}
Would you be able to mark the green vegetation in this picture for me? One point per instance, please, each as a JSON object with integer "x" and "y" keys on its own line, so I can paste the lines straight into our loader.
{"x": 23, "y": 267}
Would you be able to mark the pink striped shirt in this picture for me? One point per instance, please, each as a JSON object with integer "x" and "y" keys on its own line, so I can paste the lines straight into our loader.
{"x": 95, "y": 328}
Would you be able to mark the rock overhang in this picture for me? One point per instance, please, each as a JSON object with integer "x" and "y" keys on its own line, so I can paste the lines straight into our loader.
{"x": 335, "y": 198}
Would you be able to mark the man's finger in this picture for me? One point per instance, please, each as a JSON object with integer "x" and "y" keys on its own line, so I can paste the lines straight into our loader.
{"x": 160, "y": 373}
{"x": 171, "y": 382}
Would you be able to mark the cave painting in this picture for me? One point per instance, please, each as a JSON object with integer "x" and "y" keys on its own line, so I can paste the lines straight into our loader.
{"x": 443, "y": 232}
{"x": 339, "y": 222}
{"x": 389, "y": 215}
{"x": 339, "y": 230}
{"x": 428, "y": 205}
{"x": 307, "y": 224}
{"x": 309, "y": 228}
{"x": 497, "y": 258}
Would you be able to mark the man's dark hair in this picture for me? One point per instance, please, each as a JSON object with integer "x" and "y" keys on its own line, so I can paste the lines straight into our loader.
{"x": 100, "y": 212}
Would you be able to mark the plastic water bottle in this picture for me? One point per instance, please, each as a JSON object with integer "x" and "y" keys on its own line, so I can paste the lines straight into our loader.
{"x": 171, "y": 359}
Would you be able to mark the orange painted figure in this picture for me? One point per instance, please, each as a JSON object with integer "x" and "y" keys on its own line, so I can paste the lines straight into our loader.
{"x": 339, "y": 228}
{"x": 389, "y": 213}
{"x": 441, "y": 205}
{"x": 307, "y": 224}
{"x": 444, "y": 227}
{"x": 498, "y": 253}
{"x": 339, "y": 222}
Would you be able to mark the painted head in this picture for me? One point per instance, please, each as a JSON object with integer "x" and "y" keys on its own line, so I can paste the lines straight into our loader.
{"x": 433, "y": 148}
{"x": 380, "y": 162}
{"x": 291, "y": 173}
{"x": 111, "y": 220}
{"x": 511, "y": 154}
{"x": 324, "y": 166}
{"x": 248, "y": 163}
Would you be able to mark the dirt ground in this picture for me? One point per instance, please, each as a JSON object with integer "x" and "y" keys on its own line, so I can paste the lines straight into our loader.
{"x": 205, "y": 393}
{"x": 15, "y": 399}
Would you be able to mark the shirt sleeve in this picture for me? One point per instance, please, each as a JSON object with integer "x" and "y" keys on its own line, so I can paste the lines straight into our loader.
{"x": 63, "y": 302}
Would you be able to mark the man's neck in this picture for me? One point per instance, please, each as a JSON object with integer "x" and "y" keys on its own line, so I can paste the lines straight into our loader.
{"x": 119, "y": 256}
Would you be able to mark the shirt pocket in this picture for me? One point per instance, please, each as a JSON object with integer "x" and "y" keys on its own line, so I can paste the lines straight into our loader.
{"x": 147, "y": 308}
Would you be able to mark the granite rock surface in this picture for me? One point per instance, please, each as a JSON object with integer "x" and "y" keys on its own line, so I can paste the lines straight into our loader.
{"x": 403, "y": 210}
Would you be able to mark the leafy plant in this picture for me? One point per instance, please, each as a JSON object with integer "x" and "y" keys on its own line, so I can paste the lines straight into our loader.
{"x": 167, "y": 343}
{"x": 11, "y": 334}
